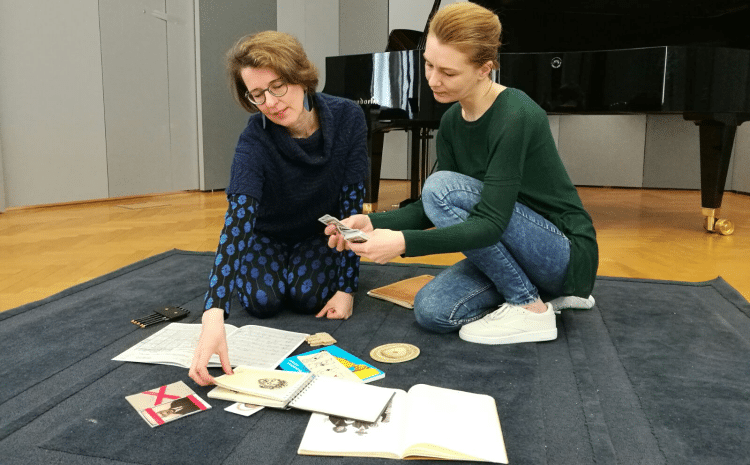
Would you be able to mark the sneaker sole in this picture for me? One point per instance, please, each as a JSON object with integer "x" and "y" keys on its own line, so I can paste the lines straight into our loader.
{"x": 536, "y": 336}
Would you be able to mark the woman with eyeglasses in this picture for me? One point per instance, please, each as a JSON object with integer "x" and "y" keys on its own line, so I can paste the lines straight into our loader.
{"x": 302, "y": 155}
{"x": 500, "y": 195}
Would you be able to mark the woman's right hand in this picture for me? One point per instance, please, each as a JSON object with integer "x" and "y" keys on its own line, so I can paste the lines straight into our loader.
{"x": 213, "y": 340}
{"x": 361, "y": 222}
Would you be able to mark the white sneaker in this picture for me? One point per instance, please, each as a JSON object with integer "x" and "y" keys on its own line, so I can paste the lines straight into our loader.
{"x": 511, "y": 324}
{"x": 572, "y": 302}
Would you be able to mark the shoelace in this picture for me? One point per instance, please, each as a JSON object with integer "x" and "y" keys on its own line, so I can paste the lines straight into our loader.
{"x": 504, "y": 308}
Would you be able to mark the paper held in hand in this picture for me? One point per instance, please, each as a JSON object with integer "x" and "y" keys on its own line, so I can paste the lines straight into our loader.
{"x": 304, "y": 391}
{"x": 426, "y": 422}
{"x": 351, "y": 235}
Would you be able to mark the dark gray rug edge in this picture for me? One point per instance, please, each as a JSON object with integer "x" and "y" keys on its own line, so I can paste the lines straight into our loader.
{"x": 718, "y": 283}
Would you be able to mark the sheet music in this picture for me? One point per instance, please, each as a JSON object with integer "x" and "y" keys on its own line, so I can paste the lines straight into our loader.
{"x": 249, "y": 345}
{"x": 259, "y": 346}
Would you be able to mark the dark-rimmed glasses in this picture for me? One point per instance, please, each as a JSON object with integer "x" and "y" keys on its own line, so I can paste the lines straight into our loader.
{"x": 277, "y": 88}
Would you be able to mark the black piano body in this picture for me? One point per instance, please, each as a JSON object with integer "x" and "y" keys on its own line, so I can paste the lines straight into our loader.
{"x": 553, "y": 57}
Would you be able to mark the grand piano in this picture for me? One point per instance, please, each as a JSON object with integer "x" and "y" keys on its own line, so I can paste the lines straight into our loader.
{"x": 688, "y": 57}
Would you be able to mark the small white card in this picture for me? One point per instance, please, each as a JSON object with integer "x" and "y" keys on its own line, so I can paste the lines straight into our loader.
{"x": 243, "y": 409}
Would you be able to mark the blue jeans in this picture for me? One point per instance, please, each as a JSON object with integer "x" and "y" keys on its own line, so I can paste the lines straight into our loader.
{"x": 531, "y": 256}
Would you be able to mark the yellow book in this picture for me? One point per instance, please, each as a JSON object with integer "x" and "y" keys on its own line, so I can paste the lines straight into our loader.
{"x": 401, "y": 292}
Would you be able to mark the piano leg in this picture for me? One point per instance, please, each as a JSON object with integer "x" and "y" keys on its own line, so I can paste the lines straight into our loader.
{"x": 420, "y": 137}
{"x": 716, "y": 140}
{"x": 372, "y": 184}
{"x": 416, "y": 163}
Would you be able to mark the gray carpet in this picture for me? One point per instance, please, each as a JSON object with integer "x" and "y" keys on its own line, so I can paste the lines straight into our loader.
{"x": 656, "y": 372}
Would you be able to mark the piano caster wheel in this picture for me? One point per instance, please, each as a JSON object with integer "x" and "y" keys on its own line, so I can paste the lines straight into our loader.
{"x": 724, "y": 227}
{"x": 718, "y": 225}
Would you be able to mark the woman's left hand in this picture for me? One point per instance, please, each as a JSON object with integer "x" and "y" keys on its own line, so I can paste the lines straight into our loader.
{"x": 382, "y": 246}
{"x": 339, "y": 307}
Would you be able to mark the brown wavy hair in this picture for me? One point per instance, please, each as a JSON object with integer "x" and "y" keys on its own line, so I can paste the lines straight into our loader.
{"x": 472, "y": 29}
{"x": 278, "y": 51}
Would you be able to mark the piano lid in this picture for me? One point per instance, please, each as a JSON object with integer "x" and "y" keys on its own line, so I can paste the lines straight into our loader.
{"x": 585, "y": 25}
{"x": 690, "y": 8}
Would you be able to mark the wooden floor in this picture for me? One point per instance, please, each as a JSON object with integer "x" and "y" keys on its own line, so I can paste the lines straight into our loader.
{"x": 655, "y": 234}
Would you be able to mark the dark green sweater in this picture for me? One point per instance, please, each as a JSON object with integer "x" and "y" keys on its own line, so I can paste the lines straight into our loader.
{"x": 511, "y": 150}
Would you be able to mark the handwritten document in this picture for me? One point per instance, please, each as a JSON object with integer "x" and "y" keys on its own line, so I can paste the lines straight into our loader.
{"x": 251, "y": 345}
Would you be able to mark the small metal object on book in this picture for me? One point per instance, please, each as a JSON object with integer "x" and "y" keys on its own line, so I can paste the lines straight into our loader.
{"x": 161, "y": 314}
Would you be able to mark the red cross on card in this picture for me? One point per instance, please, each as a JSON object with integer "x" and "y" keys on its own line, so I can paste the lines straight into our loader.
{"x": 160, "y": 395}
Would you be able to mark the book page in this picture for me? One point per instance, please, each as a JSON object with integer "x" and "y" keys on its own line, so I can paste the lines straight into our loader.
{"x": 259, "y": 346}
{"x": 448, "y": 423}
{"x": 337, "y": 436}
{"x": 172, "y": 345}
{"x": 348, "y": 399}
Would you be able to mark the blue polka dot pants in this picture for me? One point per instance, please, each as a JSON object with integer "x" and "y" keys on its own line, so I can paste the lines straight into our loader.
{"x": 275, "y": 275}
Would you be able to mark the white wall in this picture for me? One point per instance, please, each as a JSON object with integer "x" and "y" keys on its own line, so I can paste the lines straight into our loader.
{"x": 221, "y": 120}
{"x": 363, "y": 26}
{"x": 2, "y": 178}
{"x": 51, "y": 105}
{"x": 411, "y": 14}
{"x": 52, "y": 97}
{"x": 605, "y": 150}
{"x": 316, "y": 25}
{"x": 183, "y": 112}
{"x": 741, "y": 173}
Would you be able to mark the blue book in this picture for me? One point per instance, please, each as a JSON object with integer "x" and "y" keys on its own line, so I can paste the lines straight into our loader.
{"x": 359, "y": 367}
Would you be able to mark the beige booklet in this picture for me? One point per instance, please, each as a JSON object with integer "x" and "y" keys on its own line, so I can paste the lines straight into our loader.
{"x": 304, "y": 391}
{"x": 401, "y": 292}
{"x": 425, "y": 422}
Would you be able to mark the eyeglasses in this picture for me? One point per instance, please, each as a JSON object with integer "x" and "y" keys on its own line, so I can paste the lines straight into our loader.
{"x": 258, "y": 97}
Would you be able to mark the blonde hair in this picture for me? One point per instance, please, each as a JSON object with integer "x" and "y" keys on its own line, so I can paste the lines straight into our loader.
{"x": 472, "y": 29}
{"x": 278, "y": 51}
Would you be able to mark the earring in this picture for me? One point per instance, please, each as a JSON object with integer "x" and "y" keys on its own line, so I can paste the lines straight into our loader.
{"x": 307, "y": 101}
{"x": 263, "y": 119}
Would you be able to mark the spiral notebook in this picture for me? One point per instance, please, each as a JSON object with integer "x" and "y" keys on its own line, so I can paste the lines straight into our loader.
{"x": 304, "y": 391}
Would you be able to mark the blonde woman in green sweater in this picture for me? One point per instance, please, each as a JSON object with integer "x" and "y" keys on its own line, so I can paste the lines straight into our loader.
{"x": 500, "y": 195}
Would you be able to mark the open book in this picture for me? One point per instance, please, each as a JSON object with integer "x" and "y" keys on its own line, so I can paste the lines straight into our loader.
{"x": 426, "y": 422}
{"x": 248, "y": 345}
{"x": 305, "y": 391}
{"x": 401, "y": 292}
